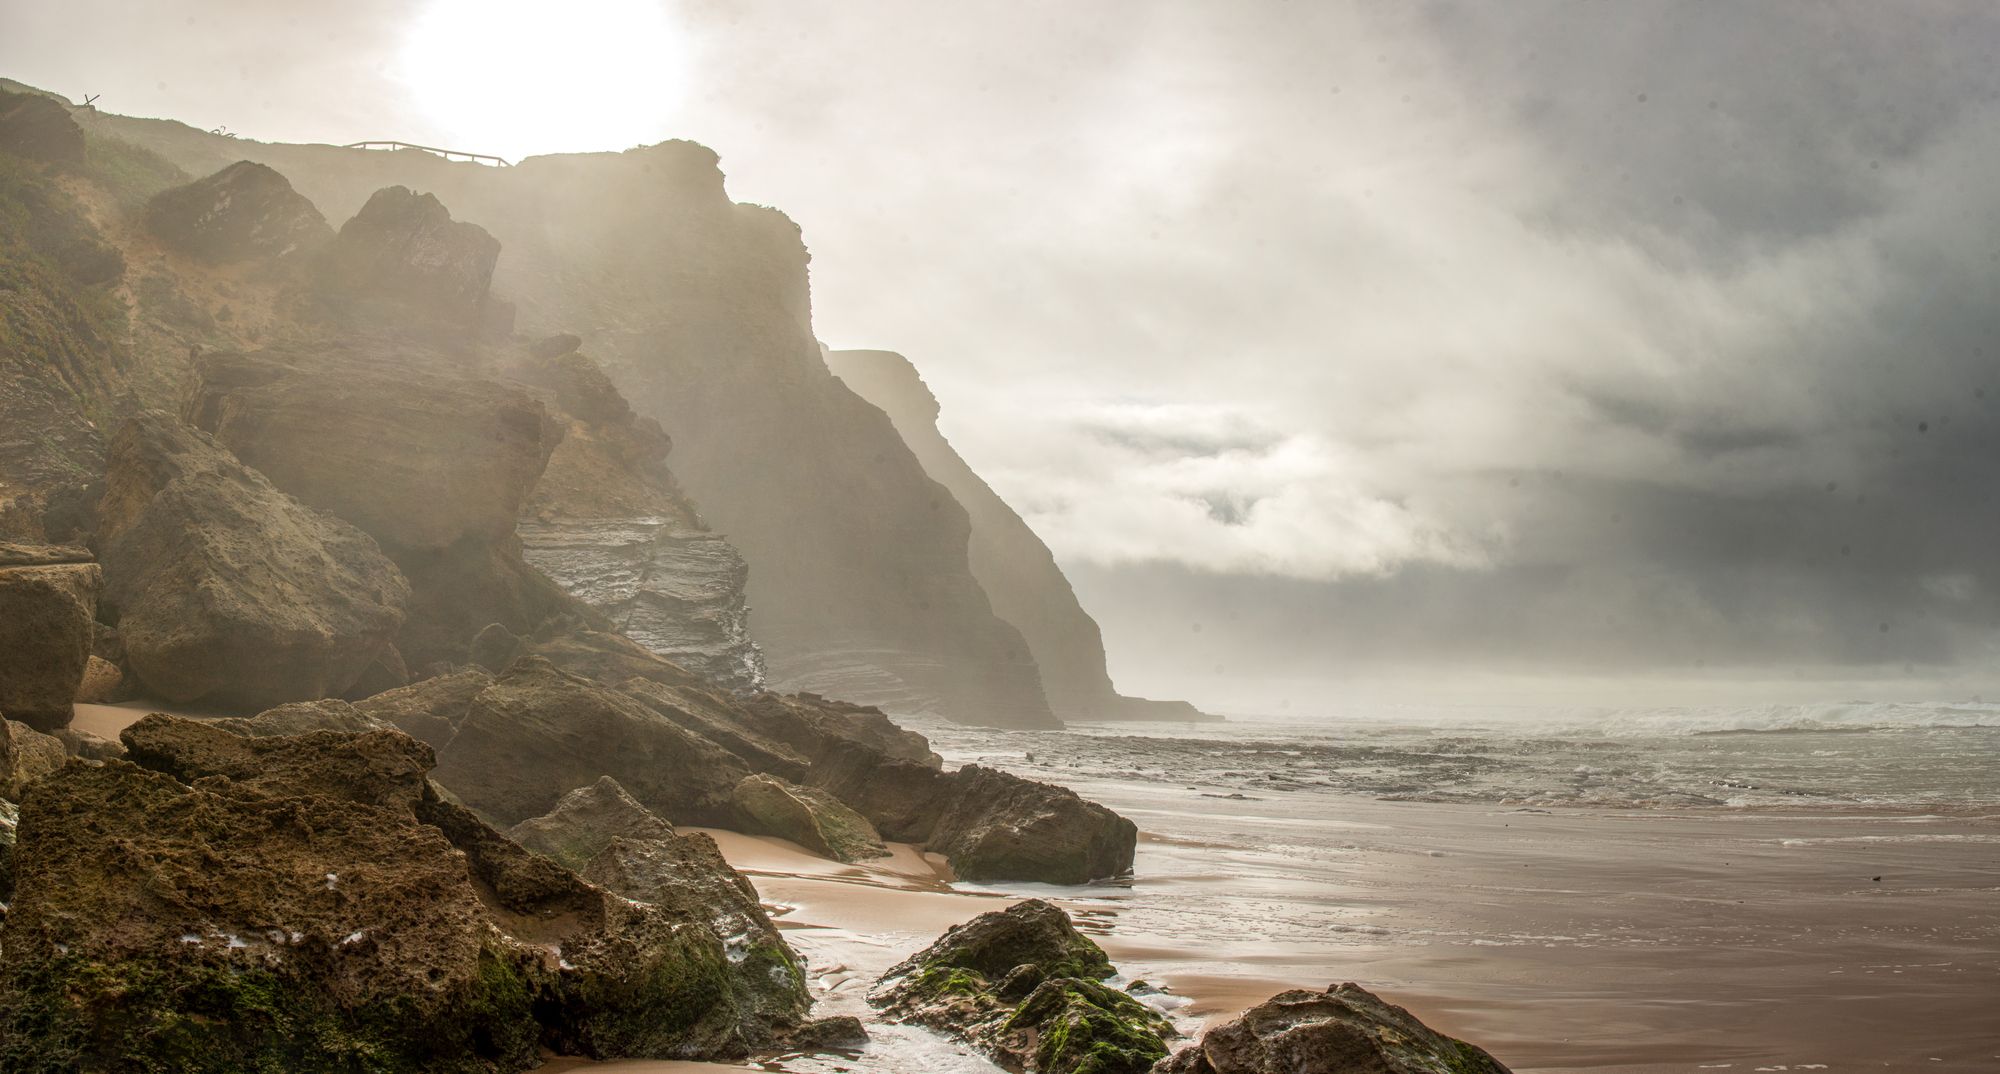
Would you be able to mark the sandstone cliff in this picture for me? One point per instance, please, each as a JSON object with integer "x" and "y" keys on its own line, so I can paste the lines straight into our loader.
{"x": 1012, "y": 564}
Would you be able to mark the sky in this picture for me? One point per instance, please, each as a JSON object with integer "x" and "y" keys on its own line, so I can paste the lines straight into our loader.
{"x": 1491, "y": 347}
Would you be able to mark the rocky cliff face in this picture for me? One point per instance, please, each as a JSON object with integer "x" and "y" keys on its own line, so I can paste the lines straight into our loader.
{"x": 1012, "y": 564}
{"x": 699, "y": 309}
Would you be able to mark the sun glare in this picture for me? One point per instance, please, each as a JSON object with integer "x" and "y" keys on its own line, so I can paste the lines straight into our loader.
{"x": 519, "y": 77}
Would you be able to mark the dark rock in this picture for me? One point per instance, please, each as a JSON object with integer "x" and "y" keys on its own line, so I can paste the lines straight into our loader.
{"x": 998, "y": 826}
{"x": 34, "y": 127}
{"x": 26, "y": 755}
{"x": 226, "y": 588}
{"x": 1341, "y": 1029}
{"x": 902, "y": 798}
{"x": 420, "y": 461}
{"x": 839, "y": 1033}
{"x": 464, "y": 589}
{"x": 495, "y": 647}
{"x": 1025, "y": 987}
{"x": 586, "y": 820}
{"x": 245, "y": 211}
{"x": 48, "y": 600}
{"x": 537, "y": 733}
{"x": 809, "y": 817}
{"x": 429, "y": 710}
{"x": 404, "y": 249}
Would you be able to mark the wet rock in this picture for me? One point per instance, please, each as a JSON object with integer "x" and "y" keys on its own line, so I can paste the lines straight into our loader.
{"x": 973, "y": 982}
{"x": 48, "y": 600}
{"x": 243, "y": 212}
{"x": 404, "y": 249}
{"x": 839, "y": 1033}
{"x": 586, "y": 820}
{"x": 35, "y": 127}
{"x": 998, "y": 826}
{"x": 226, "y": 588}
{"x": 26, "y": 755}
{"x": 1340, "y": 1029}
{"x": 429, "y": 710}
{"x": 809, "y": 817}
{"x": 420, "y": 461}
{"x": 537, "y": 733}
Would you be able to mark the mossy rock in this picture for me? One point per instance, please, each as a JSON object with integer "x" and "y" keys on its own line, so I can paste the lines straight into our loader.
{"x": 1084, "y": 1027}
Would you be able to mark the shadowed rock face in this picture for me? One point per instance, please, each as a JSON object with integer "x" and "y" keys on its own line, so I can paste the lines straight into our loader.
{"x": 807, "y": 816}
{"x": 1015, "y": 568}
{"x": 403, "y": 248}
{"x": 226, "y": 588}
{"x": 1025, "y": 987}
{"x": 242, "y": 212}
{"x": 48, "y": 601}
{"x": 1344, "y": 1028}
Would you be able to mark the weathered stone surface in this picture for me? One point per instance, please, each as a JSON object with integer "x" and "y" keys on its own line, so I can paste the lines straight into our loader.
{"x": 901, "y": 798}
{"x": 429, "y": 710}
{"x": 807, "y": 816}
{"x": 90, "y": 747}
{"x": 48, "y": 600}
{"x": 245, "y": 211}
{"x": 404, "y": 249}
{"x": 537, "y": 733}
{"x": 301, "y": 717}
{"x": 1024, "y": 986}
{"x": 1346, "y": 1028}
{"x": 715, "y": 718}
{"x": 102, "y": 682}
{"x": 469, "y": 587}
{"x": 35, "y": 127}
{"x": 227, "y": 589}
{"x": 419, "y": 461}
{"x": 26, "y": 755}
{"x": 998, "y": 826}
{"x": 280, "y": 914}
{"x": 586, "y": 820}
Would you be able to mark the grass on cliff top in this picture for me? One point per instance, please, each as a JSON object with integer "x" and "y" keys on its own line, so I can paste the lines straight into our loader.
{"x": 131, "y": 174}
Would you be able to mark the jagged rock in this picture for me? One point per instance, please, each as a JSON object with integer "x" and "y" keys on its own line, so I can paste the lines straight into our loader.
{"x": 1346, "y": 1028}
{"x": 35, "y": 127}
{"x": 244, "y": 211}
{"x": 102, "y": 682}
{"x": 586, "y": 820}
{"x": 809, "y": 817}
{"x": 430, "y": 710}
{"x": 404, "y": 249}
{"x": 301, "y": 717}
{"x": 226, "y": 588}
{"x": 48, "y": 600}
{"x": 26, "y": 755}
{"x": 687, "y": 874}
{"x": 975, "y": 983}
{"x": 420, "y": 461}
{"x": 537, "y": 733}
{"x": 280, "y": 914}
{"x": 998, "y": 826}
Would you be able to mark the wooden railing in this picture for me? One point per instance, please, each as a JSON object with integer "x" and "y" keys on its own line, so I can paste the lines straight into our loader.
{"x": 448, "y": 154}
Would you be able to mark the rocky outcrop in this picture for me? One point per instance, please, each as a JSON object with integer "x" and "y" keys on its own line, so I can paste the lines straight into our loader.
{"x": 227, "y": 590}
{"x": 537, "y": 733}
{"x": 404, "y": 250}
{"x": 611, "y": 526}
{"x": 1025, "y": 987}
{"x": 586, "y": 820}
{"x": 1340, "y": 1029}
{"x": 48, "y": 604}
{"x": 244, "y": 212}
{"x": 997, "y": 826}
{"x": 290, "y": 918}
{"x": 807, "y": 816}
{"x": 1015, "y": 568}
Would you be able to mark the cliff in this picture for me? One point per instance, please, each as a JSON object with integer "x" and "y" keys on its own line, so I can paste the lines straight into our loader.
{"x": 1011, "y": 563}
{"x": 699, "y": 310}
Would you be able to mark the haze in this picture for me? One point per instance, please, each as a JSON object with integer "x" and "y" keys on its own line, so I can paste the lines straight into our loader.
{"x": 1541, "y": 347}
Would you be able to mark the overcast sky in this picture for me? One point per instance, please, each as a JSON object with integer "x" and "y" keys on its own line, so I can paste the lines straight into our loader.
{"x": 1559, "y": 341}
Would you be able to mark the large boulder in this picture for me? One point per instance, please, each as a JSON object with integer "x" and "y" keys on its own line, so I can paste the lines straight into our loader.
{"x": 419, "y": 461}
{"x": 302, "y": 717}
{"x": 537, "y": 733}
{"x": 997, "y": 826}
{"x": 26, "y": 755}
{"x": 1025, "y": 987}
{"x": 48, "y": 600}
{"x": 243, "y": 212}
{"x": 1341, "y": 1029}
{"x": 586, "y": 820}
{"x": 807, "y": 816}
{"x": 403, "y": 249}
{"x": 310, "y": 903}
{"x": 430, "y": 709}
{"x": 228, "y": 590}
